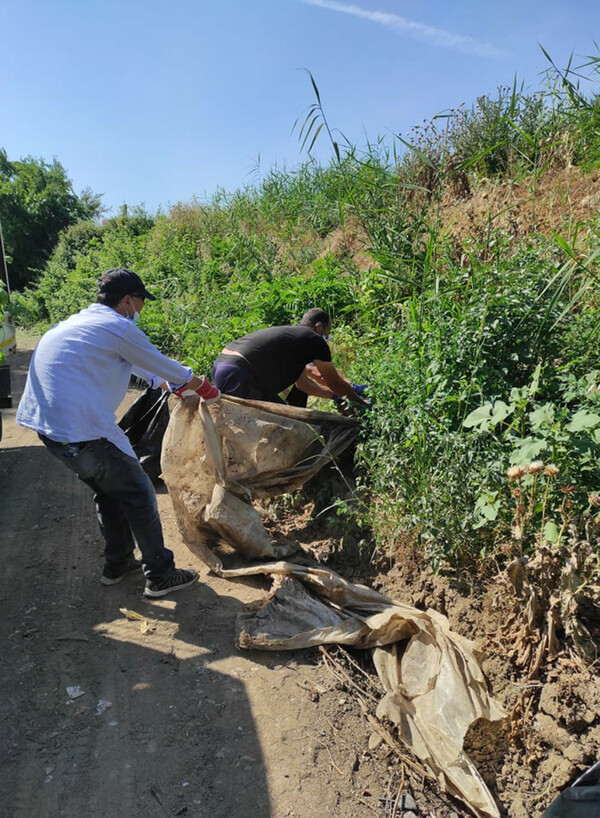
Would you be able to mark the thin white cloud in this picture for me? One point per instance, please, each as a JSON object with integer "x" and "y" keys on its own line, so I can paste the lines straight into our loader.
{"x": 417, "y": 31}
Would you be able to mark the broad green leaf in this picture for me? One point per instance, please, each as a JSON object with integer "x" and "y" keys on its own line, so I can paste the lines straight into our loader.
{"x": 501, "y": 411}
{"x": 551, "y": 531}
{"x": 530, "y": 449}
{"x": 544, "y": 414}
{"x": 488, "y": 506}
{"x": 479, "y": 417}
{"x": 490, "y": 511}
{"x": 583, "y": 420}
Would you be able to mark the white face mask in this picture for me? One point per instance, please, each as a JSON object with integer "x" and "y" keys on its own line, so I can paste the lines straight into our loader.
{"x": 325, "y": 337}
{"x": 135, "y": 315}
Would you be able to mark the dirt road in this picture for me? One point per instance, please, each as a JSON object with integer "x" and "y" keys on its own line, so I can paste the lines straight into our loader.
{"x": 106, "y": 716}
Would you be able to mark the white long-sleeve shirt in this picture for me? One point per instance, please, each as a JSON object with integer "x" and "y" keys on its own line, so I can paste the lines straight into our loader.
{"x": 80, "y": 372}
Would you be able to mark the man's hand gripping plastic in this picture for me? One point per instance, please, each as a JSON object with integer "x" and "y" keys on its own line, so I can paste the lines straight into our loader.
{"x": 206, "y": 391}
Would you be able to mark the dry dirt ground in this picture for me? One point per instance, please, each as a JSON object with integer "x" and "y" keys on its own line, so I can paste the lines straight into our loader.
{"x": 564, "y": 200}
{"x": 108, "y": 716}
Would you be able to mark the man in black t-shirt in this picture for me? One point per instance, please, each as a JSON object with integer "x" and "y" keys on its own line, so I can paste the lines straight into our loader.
{"x": 264, "y": 363}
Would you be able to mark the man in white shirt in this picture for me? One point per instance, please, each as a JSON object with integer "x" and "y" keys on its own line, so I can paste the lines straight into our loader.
{"x": 78, "y": 376}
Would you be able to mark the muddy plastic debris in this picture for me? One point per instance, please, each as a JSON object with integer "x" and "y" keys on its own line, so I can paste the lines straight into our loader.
{"x": 435, "y": 688}
{"x": 74, "y": 691}
{"x": 102, "y": 705}
{"x": 217, "y": 459}
{"x": 146, "y": 625}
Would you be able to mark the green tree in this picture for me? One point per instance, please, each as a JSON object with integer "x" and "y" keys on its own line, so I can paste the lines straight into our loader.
{"x": 37, "y": 201}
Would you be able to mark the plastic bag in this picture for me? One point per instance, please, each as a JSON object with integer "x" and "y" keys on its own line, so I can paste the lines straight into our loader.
{"x": 145, "y": 424}
{"x": 216, "y": 459}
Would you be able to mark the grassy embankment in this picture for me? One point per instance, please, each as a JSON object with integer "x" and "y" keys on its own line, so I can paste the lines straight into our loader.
{"x": 479, "y": 339}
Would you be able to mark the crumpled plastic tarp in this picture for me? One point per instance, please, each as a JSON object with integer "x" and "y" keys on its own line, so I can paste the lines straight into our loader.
{"x": 435, "y": 688}
{"x": 217, "y": 459}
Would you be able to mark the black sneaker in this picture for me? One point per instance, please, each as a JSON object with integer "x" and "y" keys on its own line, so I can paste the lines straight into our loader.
{"x": 110, "y": 575}
{"x": 177, "y": 580}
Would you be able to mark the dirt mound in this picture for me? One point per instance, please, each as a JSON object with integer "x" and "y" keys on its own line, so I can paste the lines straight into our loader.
{"x": 553, "y": 731}
{"x": 560, "y": 200}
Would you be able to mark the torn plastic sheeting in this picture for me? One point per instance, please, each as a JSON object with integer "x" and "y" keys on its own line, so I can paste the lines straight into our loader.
{"x": 434, "y": 690}
{"x": 217, "y": 458}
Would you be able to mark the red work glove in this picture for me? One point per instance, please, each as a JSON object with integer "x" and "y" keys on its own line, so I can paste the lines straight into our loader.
{"x": 206, "y": 391}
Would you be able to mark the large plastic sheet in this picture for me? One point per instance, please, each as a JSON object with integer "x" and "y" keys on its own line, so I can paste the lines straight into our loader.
{"x": 434, "y": 685}
{"x": 214, "y": 461}
{"x": 218, "y": 458}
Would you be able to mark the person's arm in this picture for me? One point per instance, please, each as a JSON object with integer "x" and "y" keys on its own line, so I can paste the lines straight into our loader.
{"x": 148, "y": 362}
{"x": 154, "y": 381}
{"x": 181, "y": 380}
{"x": 338, "y": 384}
{"x": 306, "y": 384}
{"x": 312, "y": 372}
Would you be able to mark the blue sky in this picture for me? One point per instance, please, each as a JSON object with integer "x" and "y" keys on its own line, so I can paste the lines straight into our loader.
{"x": 151, "y": 103}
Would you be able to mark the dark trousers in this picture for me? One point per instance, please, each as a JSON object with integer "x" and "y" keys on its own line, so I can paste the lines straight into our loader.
{"x": 233, "y": 375}
{"x": 125, "y": 503}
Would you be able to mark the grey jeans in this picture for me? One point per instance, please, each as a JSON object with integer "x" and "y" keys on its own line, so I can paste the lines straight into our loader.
{"x": 125, "y": 502}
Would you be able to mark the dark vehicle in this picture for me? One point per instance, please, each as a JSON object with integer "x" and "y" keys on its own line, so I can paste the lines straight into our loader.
{"x": 7, "y": 345}
{"x": 581, "y": 799}
{"x": 5, "y": 393}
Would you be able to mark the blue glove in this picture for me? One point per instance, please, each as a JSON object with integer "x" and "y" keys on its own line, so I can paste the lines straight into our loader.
{"x": 360, "y": 389}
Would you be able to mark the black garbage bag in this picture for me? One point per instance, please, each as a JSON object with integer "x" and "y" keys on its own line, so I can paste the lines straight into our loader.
{"x": 581, "y": 799}
{"x": 145, "y": 423}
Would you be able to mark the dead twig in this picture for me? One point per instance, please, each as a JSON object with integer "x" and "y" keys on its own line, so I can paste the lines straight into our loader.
{"x": 397, "y": 748}
{"x": 335, "y": 667}
{"x": 356, "y": 666}
{"x": 157, "y": 795}
{"x": 400, "y": 790}
{"x": 333, "y": 764}
{"x": 370, "y": 806}
{"x": 331, "y": 724}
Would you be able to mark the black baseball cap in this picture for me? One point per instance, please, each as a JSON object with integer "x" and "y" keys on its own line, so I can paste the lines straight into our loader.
{"x": 123, "y": 282}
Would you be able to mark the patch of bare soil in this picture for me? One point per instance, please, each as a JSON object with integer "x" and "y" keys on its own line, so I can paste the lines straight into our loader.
{"x": 107, "y": 715}
{"x": 559, "y": 200}
{"x": 552, "y": 733}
